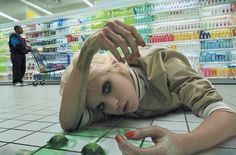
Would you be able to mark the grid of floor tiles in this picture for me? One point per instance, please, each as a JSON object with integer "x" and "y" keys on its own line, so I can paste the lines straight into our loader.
{"x": 29, "y": 118}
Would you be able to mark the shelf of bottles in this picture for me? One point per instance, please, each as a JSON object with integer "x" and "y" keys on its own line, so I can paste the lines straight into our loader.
{"x": 203, "y": 30}
{"x": 5, "y": 64}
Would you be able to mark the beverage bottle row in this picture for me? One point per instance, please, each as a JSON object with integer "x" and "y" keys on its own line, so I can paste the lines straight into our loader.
{"x": 177, "y": 15}
{"x": 41, "y": 34}
{"x": 144, "y": 30}
{"x": 68, "y": 47}
{"x": 51, "y": 76}
{"x": 220, "y": 10}
{"x": 161, "y": 38}
{"x": 174, "y": 37}
{"x": 140, "y": 19}
{"x": 164, "y": 6}
{"x": 214, "y": 56}
{"x": 223, "y": 71}
{"x": 150, "y": 8}
{"x": 185, "y": 47}
{"x": 189, "y": 36}
{"x": 216, "y": 44}
{"x": 219, "y": 23}
{"x": 30, "y": 66}
{"x": 46, "y": 42}
{"x": 58, "y": 57}
{"x": 195, "y": 25}
{"x": 121, "y": 12}
{"x": 54, "y": 24}
{"x": 215, "y": 34}
{"x": 213, "y": 2}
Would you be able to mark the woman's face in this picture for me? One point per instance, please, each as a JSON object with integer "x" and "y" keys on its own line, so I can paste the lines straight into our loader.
{"x": 112, "y": 93}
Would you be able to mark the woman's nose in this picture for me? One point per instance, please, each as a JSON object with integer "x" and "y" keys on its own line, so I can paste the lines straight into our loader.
{"x": 114, "y": 103}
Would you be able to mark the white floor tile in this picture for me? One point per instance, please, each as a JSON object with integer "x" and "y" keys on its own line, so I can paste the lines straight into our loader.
{"x": 43, "y": 112}
{"x": 176, "y": 116}
{"x": 173, "y": 126}
{"x": 192, "y": 118}
{"x": 193, "y": 126}
{"x": 56, "y": 128}
{"x": 230, "y": 143}
{"x": 34, "y": 126}
{"x": 12, "y": 135}
{"x": 53, "y": 119}
{"x": 111, "y": 147}
{"x": 111, "y": 122}
{"x": 1, "y": 130}
{"x": 12, "y": 123}
{"x": 13, "y": 149}
{"x": 135, "y": 123}
{"x": 1, "y": 144}
{"x": 46, "y": 151}
{"x": 36, "y": 139}
{"x": 218, "y": 151}
{"x": 29, "y": 117}
{"x": 9, "y": 115}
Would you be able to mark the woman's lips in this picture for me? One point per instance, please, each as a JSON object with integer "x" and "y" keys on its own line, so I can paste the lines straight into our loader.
{"x": 125, "y": 106}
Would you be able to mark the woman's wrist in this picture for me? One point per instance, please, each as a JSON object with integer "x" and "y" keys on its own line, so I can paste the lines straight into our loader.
{"x": 85, "y": 58}
{"x": 186, "y": 144}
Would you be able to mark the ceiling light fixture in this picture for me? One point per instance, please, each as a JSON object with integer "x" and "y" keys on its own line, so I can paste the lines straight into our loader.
{"x": 8, "y": 17}
{"x": 88, "y": 3}
{"x": 36, "y": 7}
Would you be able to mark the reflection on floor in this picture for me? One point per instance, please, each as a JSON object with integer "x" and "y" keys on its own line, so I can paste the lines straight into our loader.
{"x": 29, "y": 118}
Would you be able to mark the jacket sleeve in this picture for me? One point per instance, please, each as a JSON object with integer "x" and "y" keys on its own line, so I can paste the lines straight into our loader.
{"x": 89, "y": 116}
{"x": 18, "y": 46}
{"x": 192, "y": 89}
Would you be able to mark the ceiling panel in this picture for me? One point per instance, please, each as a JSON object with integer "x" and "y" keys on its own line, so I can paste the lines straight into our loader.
{"x": 18, "y": 9}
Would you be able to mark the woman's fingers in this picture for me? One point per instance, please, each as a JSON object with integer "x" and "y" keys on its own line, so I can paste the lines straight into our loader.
{"x": 109, "y": 45}
{"x": 127, "y": 35}
{"x": 134, "y": 32}
{"x": 118, "y": 40}
{"x": 152, "y": 131}
{"x": 129, "y": 149}
{"x": 125, "y": 147}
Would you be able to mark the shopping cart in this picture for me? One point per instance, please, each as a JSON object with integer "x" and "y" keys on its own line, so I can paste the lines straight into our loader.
{"x": 48, "y": 63}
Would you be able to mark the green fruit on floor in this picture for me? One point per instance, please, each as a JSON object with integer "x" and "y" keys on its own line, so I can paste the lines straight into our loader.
{"x": 93, "y": 149}
{"x": 58, "y": 141}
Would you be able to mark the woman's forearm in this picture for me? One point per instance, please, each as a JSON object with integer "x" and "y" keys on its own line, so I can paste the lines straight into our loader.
{"x": 74, "y": 93}
{"x": 219, "y": 126}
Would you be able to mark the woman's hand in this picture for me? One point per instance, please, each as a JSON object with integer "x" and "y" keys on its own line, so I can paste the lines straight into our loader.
{"x": 116, "y": 34}
{"x": 166, "y": 142}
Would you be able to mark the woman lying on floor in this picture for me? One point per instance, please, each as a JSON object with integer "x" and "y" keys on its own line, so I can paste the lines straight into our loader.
{"x": 95, "y": 86}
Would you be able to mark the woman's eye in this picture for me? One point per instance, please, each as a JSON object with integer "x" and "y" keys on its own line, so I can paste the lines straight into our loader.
{"x": 106, "y": 88}
{"x": 101, "y": 106}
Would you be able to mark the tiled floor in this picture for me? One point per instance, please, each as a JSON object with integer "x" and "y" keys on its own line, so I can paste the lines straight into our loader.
{"x": 29, "y": 118}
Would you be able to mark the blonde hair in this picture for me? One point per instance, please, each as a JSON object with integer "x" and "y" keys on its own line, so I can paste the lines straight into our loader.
{"x": 101, "y": 64}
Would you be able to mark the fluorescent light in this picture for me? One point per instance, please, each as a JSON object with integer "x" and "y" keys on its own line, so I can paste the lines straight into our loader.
{"x": 88, "y": 3}
{"x": 36, "y": 7}
{"x": 8, "y": 17}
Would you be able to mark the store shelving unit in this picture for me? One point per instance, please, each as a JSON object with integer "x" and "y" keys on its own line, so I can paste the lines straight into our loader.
{"x": 186, "y": 25}
{"x": 5, "y": 64}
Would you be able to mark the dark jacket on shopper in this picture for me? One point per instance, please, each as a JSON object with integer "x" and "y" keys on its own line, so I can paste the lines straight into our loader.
{"x": 17, "y": 44}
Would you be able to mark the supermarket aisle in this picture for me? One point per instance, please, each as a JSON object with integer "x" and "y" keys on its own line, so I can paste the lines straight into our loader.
{"x": 29, "y": 118}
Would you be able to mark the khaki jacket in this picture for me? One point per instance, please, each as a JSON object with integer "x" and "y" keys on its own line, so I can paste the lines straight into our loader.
{"x": 171, "y": 84}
